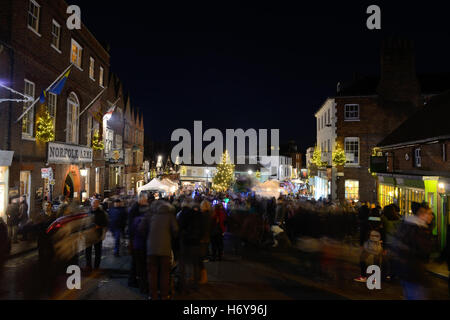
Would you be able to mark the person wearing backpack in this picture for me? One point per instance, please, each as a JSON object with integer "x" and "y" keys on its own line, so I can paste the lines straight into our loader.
{"x": 217, "y": 231}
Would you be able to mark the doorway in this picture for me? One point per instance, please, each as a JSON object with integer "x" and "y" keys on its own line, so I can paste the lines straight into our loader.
{"x": 68, "y": 187}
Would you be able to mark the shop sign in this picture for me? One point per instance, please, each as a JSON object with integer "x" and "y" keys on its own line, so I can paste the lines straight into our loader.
{"x": 66, "y": 153}
{"x": 46, "y": 173}
{"x": 6, "y": 158}
{"x": 114, "y": 155}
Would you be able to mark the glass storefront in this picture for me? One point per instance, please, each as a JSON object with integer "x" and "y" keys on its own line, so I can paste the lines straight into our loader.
{"x": 402, "y": 196}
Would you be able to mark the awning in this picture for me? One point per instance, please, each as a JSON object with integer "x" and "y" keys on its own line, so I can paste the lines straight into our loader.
{"x": 6, "y": 158}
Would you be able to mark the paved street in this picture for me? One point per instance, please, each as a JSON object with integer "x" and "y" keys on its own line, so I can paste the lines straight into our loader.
{"x": 251, "y": 274}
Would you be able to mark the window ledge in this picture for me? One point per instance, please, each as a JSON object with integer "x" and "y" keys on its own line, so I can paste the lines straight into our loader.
{"x": 352, "y": 120}
{"x": 353, "y": 166}
{"x": 57, "y": 50}
{"x": 34, "y": 31}
{"x": 79, "y": 68}
{"x": 28, "y": 137}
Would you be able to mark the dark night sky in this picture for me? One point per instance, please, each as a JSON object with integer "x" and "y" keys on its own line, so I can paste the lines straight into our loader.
{"x": 238, "y": 66}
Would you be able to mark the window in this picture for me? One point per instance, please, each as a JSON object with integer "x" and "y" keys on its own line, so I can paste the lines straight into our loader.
{"x": 329, "y": 117}
{"x": 73, "y": 109}
{"x": 328, "y": 147}
{"x": 52, "y": 105}
{"x": 28, "y": 119}
{"x": 318, "y": 124}
{"x": 352, "y": 150}
{"x": 351, "y": 112}
{"x": 352, "y": 189}
{"x": 76, "y": 54}
{"x": 91, "y": 68}
{"x": 417, "y": 158}
{"x": 100, "y": 77}
{"x": 56, "y": 35}
{"x": 33, "y": 16}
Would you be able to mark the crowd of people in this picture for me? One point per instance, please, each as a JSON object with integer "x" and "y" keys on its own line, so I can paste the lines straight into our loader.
{"x": 170, "y": 239}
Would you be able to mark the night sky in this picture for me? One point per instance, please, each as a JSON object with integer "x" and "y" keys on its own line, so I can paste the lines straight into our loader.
{"x": 255, "y": 66}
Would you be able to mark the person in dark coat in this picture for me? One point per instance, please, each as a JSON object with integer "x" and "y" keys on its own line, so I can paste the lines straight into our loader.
{"x": 161, "y": 227}
{"x": 117, "y": 221}
{"x": 101, "y": 222}
{"x": 412, "y": 247}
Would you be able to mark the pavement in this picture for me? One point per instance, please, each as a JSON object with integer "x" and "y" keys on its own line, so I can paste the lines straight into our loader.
{"x": 22, "y": 247}
{"x": 246, "y": 274}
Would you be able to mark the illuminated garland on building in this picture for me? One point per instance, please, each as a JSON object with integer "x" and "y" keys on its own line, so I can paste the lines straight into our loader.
{"x": 339, "y": 158}
{"x": 97, "y": 143}
{"x": 45, "y": 130}
{"x": 317, "y": 158}
{"x": 224, "y": 176}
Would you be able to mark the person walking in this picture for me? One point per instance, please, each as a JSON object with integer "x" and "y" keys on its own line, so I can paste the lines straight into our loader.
{"x": 117, "y": 221}
{"x": 205, "y": 211}
{"x": 101, "y": 222}
{"x": 160, "y": 226}
{"x": 12, "y": 219}
{"x": 217, "y": 231}
{"x": 390, "y": 220}
{"x": 412, "y": 247}
{"x": 23, "y": 217}
{"x": 138, "y": 275}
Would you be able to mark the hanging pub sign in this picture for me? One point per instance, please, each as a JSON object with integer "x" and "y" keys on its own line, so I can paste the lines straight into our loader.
{"x": 67, "y": 153}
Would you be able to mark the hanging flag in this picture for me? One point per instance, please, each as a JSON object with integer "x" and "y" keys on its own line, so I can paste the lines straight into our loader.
{"x": 96, "y": 112}
{"x": 57, "y": 88}
{"x": 42, "y": 96}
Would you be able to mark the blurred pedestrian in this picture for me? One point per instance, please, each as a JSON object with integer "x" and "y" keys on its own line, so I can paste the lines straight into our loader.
{"x": 217, "y": 231}
{"x": 363, "y": 217}
{"x": 117, "y": 222}
{"x": 412, "y": 247}
{"x": 101, "y": 223}
{"x": 161, "y": 227}
{"x": 390, "y": 220}
{"x": 13, "y": 219}
{"x": 138, "y": 274}
{"x": 23, "y": 217}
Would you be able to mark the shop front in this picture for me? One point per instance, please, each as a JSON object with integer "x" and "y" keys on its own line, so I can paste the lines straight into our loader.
{"x": 403, "y": 190}
{"x": 70, "y": 167}
{"x": 5, "y": 163}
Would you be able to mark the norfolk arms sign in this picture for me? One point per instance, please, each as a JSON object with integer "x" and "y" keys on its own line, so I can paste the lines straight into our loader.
{"x": 67, "y": 153}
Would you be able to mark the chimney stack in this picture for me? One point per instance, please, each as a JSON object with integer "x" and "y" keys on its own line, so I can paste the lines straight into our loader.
{"x": 398, "y": 80}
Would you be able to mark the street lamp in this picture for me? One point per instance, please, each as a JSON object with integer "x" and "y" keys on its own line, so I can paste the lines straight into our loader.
{"x": 207, "y": 176}
{"x": 250, "y": 172}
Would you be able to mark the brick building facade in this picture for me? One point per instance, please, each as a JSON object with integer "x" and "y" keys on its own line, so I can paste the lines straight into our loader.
{"x": 35, "y": 48}
{"x": 361, "y": 115}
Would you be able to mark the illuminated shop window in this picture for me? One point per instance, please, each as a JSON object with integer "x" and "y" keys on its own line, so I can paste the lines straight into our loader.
{"x": 352, "y": 189}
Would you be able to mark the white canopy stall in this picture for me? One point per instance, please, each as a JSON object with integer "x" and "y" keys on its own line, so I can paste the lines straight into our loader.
{"x": 268, "y": 189}
{"x": 155, "y": 185}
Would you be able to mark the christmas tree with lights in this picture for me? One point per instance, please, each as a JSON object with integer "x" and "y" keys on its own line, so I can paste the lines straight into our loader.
{"x": 224, "y": 176}
{"x": 45, "y": 130}
{"x": 97, "y": 142}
